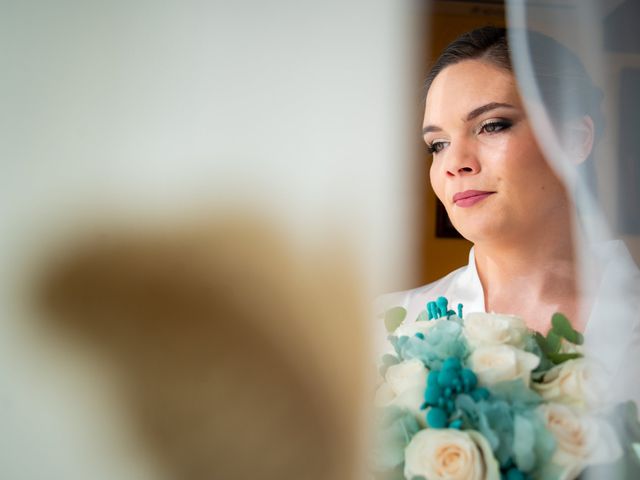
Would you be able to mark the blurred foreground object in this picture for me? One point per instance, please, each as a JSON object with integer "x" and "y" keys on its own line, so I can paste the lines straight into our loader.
{"x": 157, "y": 352}
{"x": 234, "y": 356}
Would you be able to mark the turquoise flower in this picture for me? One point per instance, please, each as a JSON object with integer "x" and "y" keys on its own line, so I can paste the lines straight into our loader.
{"x": 444, "y": 340}
{"x": 443, "y": 387}
{"x": 509, "y": 422}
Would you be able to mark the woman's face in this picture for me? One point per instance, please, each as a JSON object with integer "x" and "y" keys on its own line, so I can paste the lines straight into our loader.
{"x": 487, "y": 168}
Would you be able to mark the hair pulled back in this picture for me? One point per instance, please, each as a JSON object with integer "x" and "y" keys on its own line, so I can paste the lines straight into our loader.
{"x": 566, "y": 88}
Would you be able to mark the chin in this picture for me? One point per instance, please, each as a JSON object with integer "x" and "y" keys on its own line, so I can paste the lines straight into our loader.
{"x": 476, "y": 230}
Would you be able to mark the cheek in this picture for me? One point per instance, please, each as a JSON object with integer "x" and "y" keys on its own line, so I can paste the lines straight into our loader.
{"x": 436, "y": 180}
{"x": 529, "y": 178}
{"x": 515, "y": 160}
{"x": 531, "y": 167}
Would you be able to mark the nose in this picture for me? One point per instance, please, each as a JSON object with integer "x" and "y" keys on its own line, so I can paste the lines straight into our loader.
{"x": 462, "y": 159}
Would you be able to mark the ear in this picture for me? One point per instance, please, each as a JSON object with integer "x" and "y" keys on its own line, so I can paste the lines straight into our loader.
{"x": 580, "y": 137}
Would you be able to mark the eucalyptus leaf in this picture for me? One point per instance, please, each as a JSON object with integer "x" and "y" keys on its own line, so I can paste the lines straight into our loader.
{"x": 538, "y": 376}
{"x": 554, "y": 341}
{"x": 388, "y": 359}
{"x": 396, "y": 473}
{"x": 394, "y": 317}
{"x": 558, "y": 358}
{"x": 531, "y": 345}
{"x": 629, "y": 411}
{"x": 561, "y": 326}
{"x": 542, "y": 342}
{"x": 579, "y": 339}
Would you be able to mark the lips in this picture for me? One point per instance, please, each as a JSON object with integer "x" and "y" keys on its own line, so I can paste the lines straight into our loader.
{"x": 470, "y": 197}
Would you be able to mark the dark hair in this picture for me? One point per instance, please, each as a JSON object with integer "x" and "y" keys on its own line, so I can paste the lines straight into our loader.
{"x": 485, "y": 43}
{"x": 555, "y": 67}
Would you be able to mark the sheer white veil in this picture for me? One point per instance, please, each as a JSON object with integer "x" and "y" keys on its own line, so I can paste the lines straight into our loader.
{"x": 605, "y": 187}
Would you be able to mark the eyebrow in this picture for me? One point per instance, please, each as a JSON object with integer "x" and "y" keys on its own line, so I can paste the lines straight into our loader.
{"x": 476, "y": 112}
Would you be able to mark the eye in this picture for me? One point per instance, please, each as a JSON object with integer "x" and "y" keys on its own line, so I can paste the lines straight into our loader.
{"x": 436, "y": 147}
{"x": 495, "y": 126}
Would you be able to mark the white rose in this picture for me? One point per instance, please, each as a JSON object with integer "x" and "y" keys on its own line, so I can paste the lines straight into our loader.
{"x": 576, "y": 382}
{"x": 501, "y": 363}
{"x": 420, "y": 326}
{"x": 404, "y": 387}
{"x": 439, "y": 454}
{"x": 407, "y": 374}
{"x": 581, "y": 440}
{"x": 483, "y": 329}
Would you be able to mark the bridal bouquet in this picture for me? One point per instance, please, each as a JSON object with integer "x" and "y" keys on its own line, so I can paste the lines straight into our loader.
{"x": 485, "y": 398}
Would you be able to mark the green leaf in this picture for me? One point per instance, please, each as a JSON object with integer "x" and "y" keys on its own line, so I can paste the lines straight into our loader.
{"x": 629, "y": 412}
{"x": 395, "y": 474}
{"x": 393, "y": 318}
{"x": 538, "y": 376}
{"x": 542, "y": 342}
{"x": 561, "y": 326}
{"x": 389, "y": 360}
{"x": 554, "y": 341}
{"x": 558, "y": 358}
{"x": 542, "y": 351}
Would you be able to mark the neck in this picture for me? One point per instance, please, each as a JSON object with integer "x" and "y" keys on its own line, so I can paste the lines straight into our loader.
{"x": 533, "y": 276}
{"x": 536, "y": 259}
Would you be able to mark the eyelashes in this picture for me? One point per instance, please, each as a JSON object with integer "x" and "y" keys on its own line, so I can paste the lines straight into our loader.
{"x": 435, "y": 147}
{"x": 490, "y": 127}
{"x": 494, "y": 126}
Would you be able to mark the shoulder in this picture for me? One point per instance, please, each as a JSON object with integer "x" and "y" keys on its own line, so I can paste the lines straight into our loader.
{"x": 414, "y": 301}
{"x": 459, "y": 286}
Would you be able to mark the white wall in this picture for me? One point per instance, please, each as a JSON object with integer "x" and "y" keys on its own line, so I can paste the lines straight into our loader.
{"x": 145, "y": 111}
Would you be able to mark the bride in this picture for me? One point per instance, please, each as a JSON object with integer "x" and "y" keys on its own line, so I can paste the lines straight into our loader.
{"x": 501, "y": 193}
